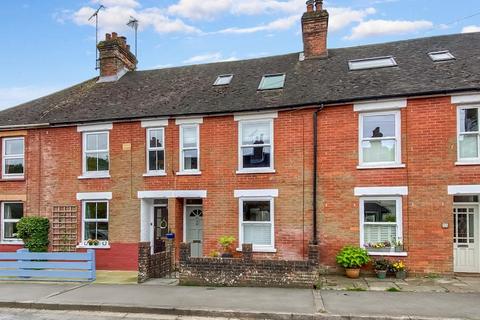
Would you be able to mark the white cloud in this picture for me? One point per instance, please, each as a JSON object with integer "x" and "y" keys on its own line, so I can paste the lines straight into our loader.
{"x": 471, "y": 28}
{"x": 279, "y": 24}
{"x": 372, "y": 28}
{"x": 343, "y": 17}
{"x": 12, "y": 96}
{"x": 208, "y": 57}
{"x": 200, "y": 9}
{"x": 117, "y": 13}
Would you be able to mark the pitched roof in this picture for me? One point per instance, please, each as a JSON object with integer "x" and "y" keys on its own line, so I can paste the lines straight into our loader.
{"x": 189, "y": 90}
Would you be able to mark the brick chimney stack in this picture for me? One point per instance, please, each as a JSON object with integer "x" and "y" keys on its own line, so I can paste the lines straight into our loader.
{"x": 314, "y": 30}
{"x": 115, "y": 58}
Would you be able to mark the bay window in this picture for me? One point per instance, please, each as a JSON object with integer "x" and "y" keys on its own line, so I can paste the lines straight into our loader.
{"x": 12, "y": 212}
{"x": 380, "y": 220}
{"x": 379, "y": 138}
{"x": 256, "y": 145}
{"x": 257, "y": 223}
{"x": 468, "y": 135}
{"x": 13, "y": 158}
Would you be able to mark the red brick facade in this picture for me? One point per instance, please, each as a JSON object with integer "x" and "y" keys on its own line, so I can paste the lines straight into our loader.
{"x": 428, "y": 132}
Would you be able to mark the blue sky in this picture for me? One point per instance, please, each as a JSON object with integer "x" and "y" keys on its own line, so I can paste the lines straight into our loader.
{"x": 49, "y": 45}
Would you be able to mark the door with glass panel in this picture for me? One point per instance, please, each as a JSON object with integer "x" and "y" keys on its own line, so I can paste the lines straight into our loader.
{"x": 465, "y": 238}
{"x": 194, "y": 226}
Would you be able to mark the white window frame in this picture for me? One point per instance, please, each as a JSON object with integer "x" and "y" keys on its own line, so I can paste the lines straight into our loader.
{"x": 95, "y": 174}
{"x": 182, "y": 149}
{"x": 241, "y": 169}
{"x": 398, "y": 143}
{"x": 6, "y": 157}
{"x": 3, "y": 221}
{"x": 103, "y": 243}
{"x": 148, "y": 149}
{"x": 459, "y": 133}
{"x": 398, "y": 223}
{"x": 257, "y": 248}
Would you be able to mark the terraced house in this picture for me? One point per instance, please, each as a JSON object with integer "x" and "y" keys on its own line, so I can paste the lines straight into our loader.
{"x": 327, "y": 146}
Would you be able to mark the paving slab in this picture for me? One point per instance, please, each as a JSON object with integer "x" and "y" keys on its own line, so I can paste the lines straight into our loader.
{"x": 402, "y": 304}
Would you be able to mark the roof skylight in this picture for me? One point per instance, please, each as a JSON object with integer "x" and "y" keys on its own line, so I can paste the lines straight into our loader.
{"x": 272, "y": 81}
{"x": 372, "y": 63}
{"x": 223, "y": 80}
{"x": 441, "y": 56}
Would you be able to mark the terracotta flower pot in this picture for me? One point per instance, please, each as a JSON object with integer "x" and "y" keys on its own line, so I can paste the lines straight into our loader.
{"x": 352, "y": 273}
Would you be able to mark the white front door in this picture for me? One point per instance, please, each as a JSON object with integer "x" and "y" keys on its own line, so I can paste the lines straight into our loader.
{"x": 466, "y": 238}
{"x": 194, "y": 228}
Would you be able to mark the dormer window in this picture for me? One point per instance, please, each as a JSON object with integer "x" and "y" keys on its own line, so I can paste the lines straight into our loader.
{"x": 272, "y": 81}
{"x": 372, "y": 63}
{"x": 223, "y": 80}
{"x": 441, "y": 56}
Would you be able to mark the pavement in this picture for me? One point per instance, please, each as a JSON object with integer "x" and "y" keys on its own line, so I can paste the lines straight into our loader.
{"x": 259, "y": 303}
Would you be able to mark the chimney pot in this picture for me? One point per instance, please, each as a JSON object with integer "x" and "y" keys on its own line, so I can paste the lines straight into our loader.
{"x": 114, "y": 35}
{"x": 108, "y": 36}
{"x": 319, "y": 5}
{"x": 310, "y": 6}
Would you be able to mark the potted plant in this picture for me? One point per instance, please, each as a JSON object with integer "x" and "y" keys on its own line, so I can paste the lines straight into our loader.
{"x": 381, "y": 267}
{"x": 398, "y": 245}
{"x": 400, "y": 269}
{"x": 226, "y": 243}
{"x": 352, "y": 259}
{"x": 384, "y": 246}
{"x": 93, "y": 242}
{"x": 170, "y": 234}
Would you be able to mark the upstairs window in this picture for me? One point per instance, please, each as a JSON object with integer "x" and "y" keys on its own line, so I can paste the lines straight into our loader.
{"x": 272, "y": 81}
{"x": 189, "y": 148}
{"x": 156, "y": 150}
{"x": 12, "y": 212}
{"x": 13, "y": 158}
{"x": 372, "y": 63}
{"x": 441, "y": 56}
{"x": 379, "y": 138}
{"x": 96, "y": 154}
{"x": 256, "y": 145}
{"x": 223, "y": 80}
{"x": 468, "y": 134}
{"x": 381, "y": 220}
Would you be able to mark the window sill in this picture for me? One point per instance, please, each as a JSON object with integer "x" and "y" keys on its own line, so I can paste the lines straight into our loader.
{"x": 381, "y": 166}
{"x": 255, "y": 171}
{"x": 81, "y": 246}
{"x": 103, "y": 176}
{"x": 155, "y": 174}
{"x": 389, "y": 254}
{"x": 268, "y": 250}
{"x": 19, "y": 178}
{"x": 465, "y": 163}
{"x": 13, "y": 243}
{"x": 186, "y": 173}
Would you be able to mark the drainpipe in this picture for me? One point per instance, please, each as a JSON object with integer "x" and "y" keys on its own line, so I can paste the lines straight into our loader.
{"x": 315, "y": 142}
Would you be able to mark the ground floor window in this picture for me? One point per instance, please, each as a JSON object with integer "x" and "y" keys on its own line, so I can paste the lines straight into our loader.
{"x": 95, "y": 223}
{"x": 12, "y": 212}
{"x": 257, "y": 223}
{"x": 380, "y": 220}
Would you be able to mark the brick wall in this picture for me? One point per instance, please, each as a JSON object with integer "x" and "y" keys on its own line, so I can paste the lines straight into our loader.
{"x": 247, "y": 271}
{"x": 157, "y": 265}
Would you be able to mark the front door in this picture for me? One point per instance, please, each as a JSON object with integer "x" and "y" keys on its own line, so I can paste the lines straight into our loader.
{"x": 465, "y": 239}
{"x": 194, "y": 228}
{"x": 160, "y": 228}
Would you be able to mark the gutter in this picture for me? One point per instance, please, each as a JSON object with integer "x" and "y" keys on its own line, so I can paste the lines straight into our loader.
{"x": 24, "y": 126}
{"x": 315, "y": 169}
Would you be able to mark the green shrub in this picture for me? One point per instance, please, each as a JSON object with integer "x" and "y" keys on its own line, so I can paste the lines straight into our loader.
{"x": 226, "y": 242}
{"x": 34, "y": 233}
{"x": 352, "y": 257}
